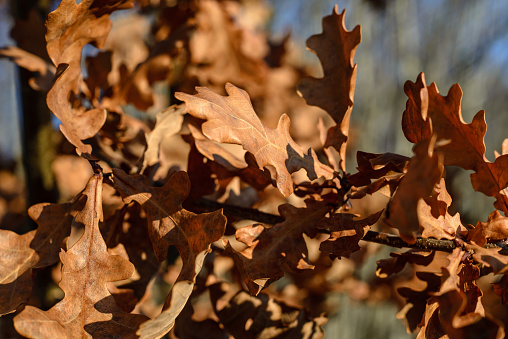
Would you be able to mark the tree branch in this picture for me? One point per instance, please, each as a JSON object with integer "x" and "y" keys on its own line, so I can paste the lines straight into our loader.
{"x": 443, "y": 245}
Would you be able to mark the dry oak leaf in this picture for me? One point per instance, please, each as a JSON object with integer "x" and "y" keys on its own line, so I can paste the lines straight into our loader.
{"x": 495, "y": 229}
{"x": 250, "y": 317}
{"x": 88, "y": 308}
{"x": 21, "y": 254}
{"x": 376, "y": 166}
{"x": 417, "y": 297}
{"x": 168, "y": 122}
{"x": 231, "y": 119}
{"x": 492, "y": 257}
{"x": 69, "y": 28}
{"x": 227, "y": 165}
{"x": 170, "y": 224}
{"x": 466, "y": 146}
{"x": 434, "y": 218}
{"x": 282, "y": 245}
{"x": 461, "y": 312}
{"x": 345, "y": 233}
{"x": 387, "y": 267}
{"x": 424, "y": 172}
{"x": 46, "y": 71}
{"x": 335, "y": 48}
{"x": 501, "y": 289}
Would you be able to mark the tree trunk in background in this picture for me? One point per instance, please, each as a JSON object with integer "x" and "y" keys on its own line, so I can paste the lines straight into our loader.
{"x": 37, "y": 144}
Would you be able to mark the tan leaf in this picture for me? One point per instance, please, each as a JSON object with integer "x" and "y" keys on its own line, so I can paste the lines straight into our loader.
{"x": 466, "y": 146}
{"x": 424, "y": 172}
{"x": 46, "y": 71}
{"x": 336, "y": 48}
{"x": 168, "y": 122}
{"x": 175, "y": 302}
{"x": 21, "y": 254}
{"x": 433, "y": 215}
{"x": 88, "y": 308}
{"x": 69, "y": 28}
{"x": 270, "y": 249}
{"x": 345, "y": 233}
{"x": 231, "y": 119}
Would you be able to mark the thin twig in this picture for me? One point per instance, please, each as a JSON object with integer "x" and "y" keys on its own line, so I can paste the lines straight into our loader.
{"x": 443, "y": 245}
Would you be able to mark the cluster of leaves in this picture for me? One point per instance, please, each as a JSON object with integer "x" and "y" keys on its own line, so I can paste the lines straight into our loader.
{"x": 115, "y": 237}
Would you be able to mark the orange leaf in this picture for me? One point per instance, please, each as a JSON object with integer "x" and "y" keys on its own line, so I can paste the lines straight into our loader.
{"x": 336, "y": 48}
{"x": 88, "y": 307}
{"x": 231, "y": 119}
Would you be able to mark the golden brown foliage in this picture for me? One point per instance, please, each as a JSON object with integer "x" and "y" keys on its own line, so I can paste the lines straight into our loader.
{"x": 171, "y": 202}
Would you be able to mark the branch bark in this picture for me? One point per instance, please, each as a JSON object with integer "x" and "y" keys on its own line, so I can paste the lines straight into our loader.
{"x": 444, "y": 245}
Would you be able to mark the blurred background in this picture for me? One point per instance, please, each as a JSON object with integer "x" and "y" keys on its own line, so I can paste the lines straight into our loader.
{"x": 450, "y": 41}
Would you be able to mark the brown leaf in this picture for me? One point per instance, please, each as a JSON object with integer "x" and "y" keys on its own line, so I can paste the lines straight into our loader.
{"x": 433, "y": 215}
{"x": 334, "y": 93}
{"x": 345, "y": 233}
{"x": 46, "y": 71}
{"x": 416, "y": 298}
{"x": 221, "y": 51}
{"x": 188, "y": 327}
{"x": 168, "y": 122}
{"x": 387, "y": 267}
{"x": 501, "y": 289}
{"x": 88, "y": 308}
{"x": 424, "y": 172}
{"x": 466, "y": 146}
{"x": 21, "y": 254}
{"x": 170, "y": 224}
{"x": 270, "y": 249}
{"x": 495, "y": 229}
{"x": 245, "y": 316}
{"x": 227, "y": 165}
{"x": 461, "y": 313}
{"x": 376, "y": 166}
{"x": 231, "y": 119}
{"x": 492, "y": 257}
{"x": 69, "y": 28}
